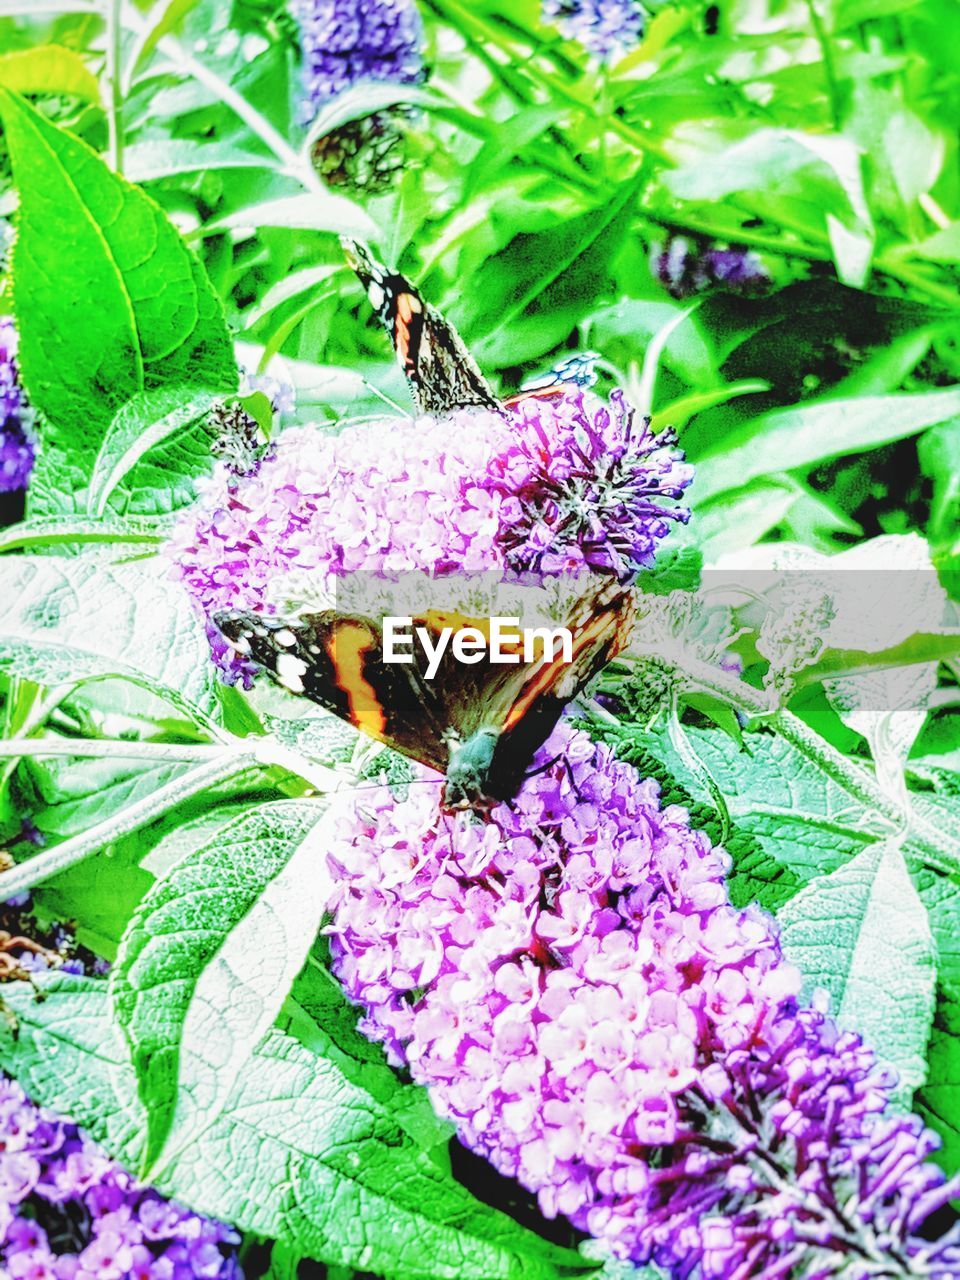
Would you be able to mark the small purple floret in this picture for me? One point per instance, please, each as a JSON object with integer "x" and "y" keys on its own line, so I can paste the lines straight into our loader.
{"x": 16, "y": 417}
{"x": 607, "y": 29}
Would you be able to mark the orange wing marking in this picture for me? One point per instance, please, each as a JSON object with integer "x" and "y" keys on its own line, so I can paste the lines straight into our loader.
{"x": 346, "y": 648}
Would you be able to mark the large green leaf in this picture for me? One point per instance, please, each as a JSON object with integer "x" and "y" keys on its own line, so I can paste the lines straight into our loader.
{"x": 298, "y": 1152}
{"x": 143, "y": 423}
{"x": 108, "y": 299}
{"x": 208, "y": 959}
{"x": 803, "y": 434}
{"x": 862, "y": 934}
{"x": 939, "y": 1099}
{"x": 73, "y": 618}
{"x": 48, "y": 68}
{"x": 791, "y": 822}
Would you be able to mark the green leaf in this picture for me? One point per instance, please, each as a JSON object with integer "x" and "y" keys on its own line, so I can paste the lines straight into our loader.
{"x": 678, "y": 413}
{"x": 207, "y": 961}
{"x": 939, "y": 454}
{"x": 70, "y": 619}
{"x": 161, "y": 158}
{"x": 108, "y": 300}
{"x": 322, "y": 1019}
{"x": 143, "y": 423}
{"x": 298, "y": 1153}
{"x": 51, "y": 531}
{"x": 939, "y": 1099}
{"x": 820, "y": 173}
{"x": 48, "y": 69}
{"x": 791, "y": 821}
{"x": 313, "y": 212}
{"x": 862, "y": 934}
{"x": 525, "y": 298}
{"x": 803, "y": 434}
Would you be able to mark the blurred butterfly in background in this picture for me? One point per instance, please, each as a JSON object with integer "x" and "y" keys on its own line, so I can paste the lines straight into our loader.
{"x": 478, "y": 724}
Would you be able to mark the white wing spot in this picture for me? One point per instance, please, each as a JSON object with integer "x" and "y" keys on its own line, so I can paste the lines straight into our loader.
{"x": 375, "y": 294}
{"x": 290, "y": 671}
{"x": 285, "y": 638}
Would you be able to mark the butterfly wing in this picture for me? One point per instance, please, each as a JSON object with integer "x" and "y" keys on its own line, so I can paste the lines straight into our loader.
{"x": 443, "y": 376}
{"x": 478, "y": 723}
{"x": 336, "y": 661}
{"x": 499, "y": 715}
{"x": 576, "y": 371}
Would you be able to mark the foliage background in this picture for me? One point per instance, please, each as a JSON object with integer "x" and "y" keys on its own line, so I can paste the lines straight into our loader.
{"x": 536, "y": 189}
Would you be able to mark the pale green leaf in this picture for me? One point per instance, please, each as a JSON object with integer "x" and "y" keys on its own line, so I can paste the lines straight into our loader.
{"x": 861, "y": 933}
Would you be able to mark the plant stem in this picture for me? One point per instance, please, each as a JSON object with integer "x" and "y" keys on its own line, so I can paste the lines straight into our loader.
{"x": 829, "y": 70}
{"x": 51, "y": 862}
{"x": 293, "y": 164}
{"x": 109, "y": 749}
{"x": 114, "y": 85}
{"x": 937, "y": 848}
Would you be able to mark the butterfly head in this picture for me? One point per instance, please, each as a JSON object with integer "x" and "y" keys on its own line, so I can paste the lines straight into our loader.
{"x": 468, "y": 773}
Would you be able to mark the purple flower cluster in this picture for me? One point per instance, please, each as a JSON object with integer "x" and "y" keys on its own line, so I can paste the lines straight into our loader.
{"x": 67, "y": 1212}
{"x": 27, "y": 946}
{"x": 573, "y": 986}
{"x": 686, "y": 269}
{"x": 348, "y": 41}
{"x": 16, "y": 417}
{"x": 607, "y": 29}
{"x": 552, "y": 484}
{"x": 587, "y": 488}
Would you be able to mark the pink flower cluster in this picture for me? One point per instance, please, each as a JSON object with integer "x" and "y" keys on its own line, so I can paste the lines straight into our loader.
{"x": 571, "y": 983}
{"x": 550, "y": 485}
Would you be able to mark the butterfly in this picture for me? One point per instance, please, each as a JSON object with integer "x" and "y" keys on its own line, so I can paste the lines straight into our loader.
{"x": 478, "y": 724}
{"x": 440, "y": 370}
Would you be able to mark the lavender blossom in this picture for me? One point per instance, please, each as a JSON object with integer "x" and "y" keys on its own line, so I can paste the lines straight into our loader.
{"x": 551, "y": 485}
{"x": 686, "y": 269}
{"x": 571, "y": 983}
{"x": 349, "y": 42}
{"x": 16, "y": 416}
{"x": 67, "y": 1212}
{"x": 607, "y": 29}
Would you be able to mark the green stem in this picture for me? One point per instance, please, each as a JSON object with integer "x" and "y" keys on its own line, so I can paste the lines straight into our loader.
{"x": 51, "y": 862}
{"x": 293, "y": 165}
{"x": 829, "y": 70}
{"x": 937, "y": 848}
{"x": 109, "y": 749}
{"x": 114, "y": 86}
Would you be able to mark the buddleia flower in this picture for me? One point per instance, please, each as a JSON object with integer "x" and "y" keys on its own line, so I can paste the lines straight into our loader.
{"x": 551, "y": 486}
{"x": 571, "y": 983}
{"x": 685, "y": 268}
{"x": 607, "y": 29}
{"x": 68, "y": 1212}
{"x": 347, "y": 43}
{"x": 17, "y": 442}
